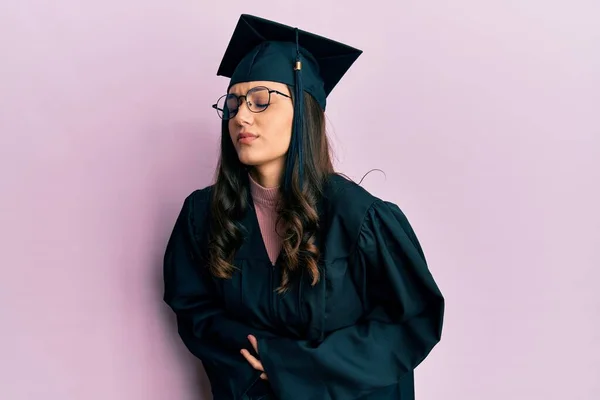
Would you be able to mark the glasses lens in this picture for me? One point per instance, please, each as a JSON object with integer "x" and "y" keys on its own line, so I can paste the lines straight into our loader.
{"x": 258, "y": 99}
{"x": 227, "y": 106}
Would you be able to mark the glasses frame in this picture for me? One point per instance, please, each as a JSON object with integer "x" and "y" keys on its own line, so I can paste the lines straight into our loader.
{"x": 245, "y": 96}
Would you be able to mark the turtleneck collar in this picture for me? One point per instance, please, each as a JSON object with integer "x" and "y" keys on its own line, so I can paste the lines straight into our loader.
{"x": 262, "y": 195}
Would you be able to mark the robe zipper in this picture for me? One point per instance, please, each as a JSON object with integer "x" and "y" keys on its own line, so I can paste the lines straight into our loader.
{"x": 272, "y": 293}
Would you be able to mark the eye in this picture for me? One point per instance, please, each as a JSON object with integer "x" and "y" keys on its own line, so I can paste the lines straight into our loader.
{"x": 232, "y": 103}
{"x": 259, "y": 98}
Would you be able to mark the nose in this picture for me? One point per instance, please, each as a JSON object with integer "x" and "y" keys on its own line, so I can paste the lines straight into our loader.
{"x": 243, "y": 115}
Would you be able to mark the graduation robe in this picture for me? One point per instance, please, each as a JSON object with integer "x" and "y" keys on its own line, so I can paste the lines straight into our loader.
{"x": 375, "y": 314}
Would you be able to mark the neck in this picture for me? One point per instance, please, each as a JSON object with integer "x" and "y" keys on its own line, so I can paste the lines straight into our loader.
{"x": 269, "y": 175}
{"x": 263, "y": 196}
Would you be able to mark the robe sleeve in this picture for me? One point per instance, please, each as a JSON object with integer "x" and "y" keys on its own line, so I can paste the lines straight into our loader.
{"x": 203, "y": 325}
{"x": 402, "y": 325}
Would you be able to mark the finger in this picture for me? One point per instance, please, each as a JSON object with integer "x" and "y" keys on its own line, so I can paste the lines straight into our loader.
{"x": 257, "y": 365}
{"x": 253, "y": 342}
{"x": 254, "y": 362}
{"x": 264, "y": 376}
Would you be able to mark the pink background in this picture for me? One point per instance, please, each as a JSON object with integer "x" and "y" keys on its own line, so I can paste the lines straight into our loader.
{"x": 485, "y": 116}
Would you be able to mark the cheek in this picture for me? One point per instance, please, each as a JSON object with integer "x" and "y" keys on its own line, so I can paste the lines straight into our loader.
{"x": 231, "y": 129}
{"x": 281, "y": 135}
{"x": 285, "y": 122}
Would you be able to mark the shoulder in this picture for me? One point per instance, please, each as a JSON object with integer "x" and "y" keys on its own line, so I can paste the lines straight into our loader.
{"x": 196, "y": 205}
{"x": 341, "y": 191}
{"x": 200, "y": 197}
{"x": 347, "y": 201}
{"x": 359, "y": 218}
{"x": 346, "y": 206}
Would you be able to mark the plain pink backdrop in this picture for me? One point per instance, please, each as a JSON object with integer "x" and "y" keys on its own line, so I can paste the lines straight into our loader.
{"x": 485, "y": 116}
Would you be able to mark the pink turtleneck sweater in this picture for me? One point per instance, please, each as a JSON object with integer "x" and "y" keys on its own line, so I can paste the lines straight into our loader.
{"x": 265, "y": 203}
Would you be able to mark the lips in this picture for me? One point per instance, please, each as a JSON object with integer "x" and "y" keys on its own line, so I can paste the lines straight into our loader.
{"x": 246, "y": 138}
{"x": 246, "y": 135}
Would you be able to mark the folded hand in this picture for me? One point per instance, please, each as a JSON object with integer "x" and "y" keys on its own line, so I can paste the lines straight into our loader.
{"x": 254, "y": 362}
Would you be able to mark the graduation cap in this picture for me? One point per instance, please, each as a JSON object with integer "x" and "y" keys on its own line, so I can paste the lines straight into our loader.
{"x": 264, "y": 50}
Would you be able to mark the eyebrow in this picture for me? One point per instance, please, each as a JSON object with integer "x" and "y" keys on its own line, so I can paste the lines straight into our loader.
{"x": 237, "y": 92}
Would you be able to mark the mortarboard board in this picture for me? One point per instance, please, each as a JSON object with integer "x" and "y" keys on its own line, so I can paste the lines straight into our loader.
{"x": 260, "y": 49}
{"x": 264, "y": 50}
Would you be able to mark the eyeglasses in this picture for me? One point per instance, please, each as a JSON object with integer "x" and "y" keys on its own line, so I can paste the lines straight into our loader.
{"x": 257, "y": 99}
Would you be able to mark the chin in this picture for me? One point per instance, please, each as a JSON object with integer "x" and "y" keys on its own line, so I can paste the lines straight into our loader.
{"x": 252, "y": 159}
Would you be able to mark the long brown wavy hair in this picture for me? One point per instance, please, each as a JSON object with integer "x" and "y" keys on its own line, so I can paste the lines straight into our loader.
{"x": 297, "y": 210}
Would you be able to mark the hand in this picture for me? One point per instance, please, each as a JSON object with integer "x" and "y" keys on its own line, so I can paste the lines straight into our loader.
{"x": 254, "y": 362}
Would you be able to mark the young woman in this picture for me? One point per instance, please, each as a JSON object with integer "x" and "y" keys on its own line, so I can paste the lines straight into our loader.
{"x": 288, "y": 280}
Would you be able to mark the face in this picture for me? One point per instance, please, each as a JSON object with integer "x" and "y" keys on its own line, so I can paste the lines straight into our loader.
{"x": 262, "y": 138}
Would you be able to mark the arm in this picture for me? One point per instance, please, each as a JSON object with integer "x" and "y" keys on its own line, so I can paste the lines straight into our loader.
{"x": 204, "y": 327}
{"x": 403, "y": 325}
